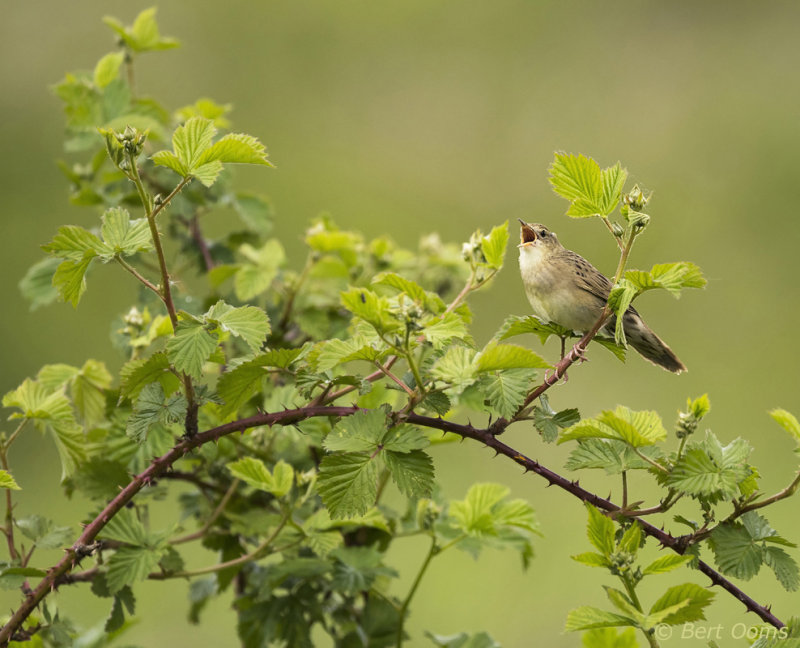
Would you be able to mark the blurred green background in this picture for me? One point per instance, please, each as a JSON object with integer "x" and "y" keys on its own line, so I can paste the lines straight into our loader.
{"x": 407, "y": 117}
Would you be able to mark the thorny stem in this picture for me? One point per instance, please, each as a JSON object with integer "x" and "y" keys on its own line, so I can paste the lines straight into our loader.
{"x": 158, "y": 466}
{"x": 212, "y": 518}
{"x": 624, "y": 489}
{"x": 330, "y": 398}
{"x": 389, "y": 374}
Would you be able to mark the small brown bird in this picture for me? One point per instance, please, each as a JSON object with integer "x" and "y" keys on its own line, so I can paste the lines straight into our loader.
{"x": 566, "y": 289}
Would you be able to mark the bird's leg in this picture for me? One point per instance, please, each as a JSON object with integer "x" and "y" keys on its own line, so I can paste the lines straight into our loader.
{"x": 563, "y": 345}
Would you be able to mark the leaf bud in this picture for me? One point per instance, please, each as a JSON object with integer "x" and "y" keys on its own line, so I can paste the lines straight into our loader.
{"x": 617, "y": 230}
{"x": 428, "y": 512}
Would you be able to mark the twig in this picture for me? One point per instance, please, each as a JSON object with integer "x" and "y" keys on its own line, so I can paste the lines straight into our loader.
{"x": 143, "y": 280}
{"x": 200, "y": 241}
{"x": 212, "y": 518}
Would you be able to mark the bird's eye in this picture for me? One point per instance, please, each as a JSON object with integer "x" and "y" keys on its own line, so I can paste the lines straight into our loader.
{"x": 543, "y": 233}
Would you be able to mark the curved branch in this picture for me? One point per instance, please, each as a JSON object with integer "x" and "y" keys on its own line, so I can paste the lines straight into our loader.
{"x": 81, "y": 548}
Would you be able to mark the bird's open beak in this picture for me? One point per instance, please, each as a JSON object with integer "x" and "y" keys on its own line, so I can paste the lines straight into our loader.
{"x": 527, "y": 234}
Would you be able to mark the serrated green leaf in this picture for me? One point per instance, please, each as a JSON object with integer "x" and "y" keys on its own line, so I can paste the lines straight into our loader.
{"x": 735, "y": 552}
{"x": 247, "y": 322}
{"x": 402, "y": 285}
{"x": 621, "y": 602}
{"x": 619, "y": 299}
{"x": 75, "y": 244}
{"x": 7, "y": 481}
{"x": 138, "y": 373}
{"x": 672, "y": 277}
{"x": 70, "y": 279}
{"x": 236, "y": 148}
{"x": 600, "y": 531}
{"x": 207, "y": 108}
{"x": 335, "y": 352}
{"x": 37, "y": 284}
{"x": 666, "y": 563}
{"x": 88, "y": 392}
{"x": 506, "y": 390}
{"x": 579, "y": 180}
{"x": 362, "y": 431}
{"x": 404, "y": 438}
{"x": 634, "y": 428}
{"x": 608, "y": 638}
{"x": 700, "y": 406}
{"x": 170, "y": 160}
{"x": 44, "y": 533}
{"x": 256, "y": 276}
{"x": 508, "y": 356}
{"x": 190, "y": 347}
{"x": 253, "y": 472}
{"x": 143, "y": 35}
{"x": 107, "y": 69}
{"x": 371, "y": 308}
{"x": 125, "y": 236}
{"x": 709, "y": 469}
{"x": 126, "y": 527}
{"x": 516, "y": 325}
{"x": 473, "y": 514}
{"x": 128, "y": 565}
{"x": 631, "y": 539}
{"x": 587, "y": 617}
{"x": 698, "y": 598}
{"x": 412, "y": 472}
{"x": 441, "y": 330}
{"x": 347, "y": 484}
{"x": 784, "y": 566}
{"x": 456, "y": 367}
{"x": 239, "y": 385}
{"x": 494, "y": 246}
{"x": 592, "y": 559}
{"x": 191, "y": 140}
{"x": 548, "y": 422}
{"x": 787, "y": 421}
{"x": 151, "y": 408}
{"x": 613, "y": 180}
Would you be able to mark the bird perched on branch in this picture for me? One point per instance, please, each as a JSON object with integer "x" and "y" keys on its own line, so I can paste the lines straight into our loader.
{"x": 564, "y": 288}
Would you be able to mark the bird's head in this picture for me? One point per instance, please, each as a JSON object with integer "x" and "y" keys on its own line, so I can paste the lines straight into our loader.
{"x": 534, "y": 236}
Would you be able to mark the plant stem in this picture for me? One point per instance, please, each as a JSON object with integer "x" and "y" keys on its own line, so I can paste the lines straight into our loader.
{"x": 289, "y": 305}
{"x": 624, "y": 489}
{"x": 389, "y": 374}
{"x": 371, "y": 378}
{"x": 212, "y": 518}
{"x": 142, "y": 279}
{"x": 404, "y": 607}
{"x": 607, "y": 223}
{"x": 8, "y": 530}
{"x": 460, "y": 296}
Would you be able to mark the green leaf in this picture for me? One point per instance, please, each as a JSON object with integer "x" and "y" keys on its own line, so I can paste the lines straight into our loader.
{"x": 634, "y": 428}
{"x": 412, "y": 472}
{"x": 608, "y": 638}
{"x": 247, "y": 322}
{"x": 698, "y": 598}
{"x": 70, "y": 279}
{"x": 456, "y": 367}
{"x": 784, "y": 566}
{"x": 508, "y": 356}
{"x": 170, "y": 160}
{"x": 362, "y": 431}
{"x": 143, "y": 35}
{"x": 494, "y": 245}
{"x": 125, "y": 527}
{"x": 256, "y": 276}
{"x": 622, "y": 603}
{"x": 735, "y": 551}
{"x": 253, "y": 472}
{"x": 347, "y": 484}
{"x": 107, "y": 69}
{"x": 357, "y": 568}
{"x": 138, "y": 373}
{"x": 255, "y": 211}
{"x": 192, "y": 140}
{"x": 236, "y": 148}
{"x": 587, "y": 617}
{"x": 709, "y": 469}
{"x": 443, "y": 329}
{"x": 371, "y": 308}
{"x": 404, "y": 438}
{"x": 619, "y": 299}
{"x": 151, "y": 408}
{"x": 666, "y": 563}
{"x": 37, "y": 284}
{"x": 88, "y": 391}
{"x": 474, "y": 514}
{"x": 579, "y": 180}
{"x": 600, "y": 531}
{"x": 516, "y": 325}
{"x": 632, "y": 538}
{"x": 506, "y": 390}
{"x": 7, "y": 481}
{"x": 335, "y": 352}
{"x": 207, "y": 108}
{"x": 191, "y": 347}
{"x": 672, "y": 277}
{"x": 701, "y": 406}
{"x": 613, "y": 180}
{"x": 75, "y": 244}
{"x": 548, "y": 422}
{"x": 464, "y": 640}
{"x": 592, "y": 559}
{"x": 124, "y": 236}
{"x": 787, "y": 421}
{"x": 128, "y": 565}
{"x": 44, "y": 533}
{"x": 239, "y": 385}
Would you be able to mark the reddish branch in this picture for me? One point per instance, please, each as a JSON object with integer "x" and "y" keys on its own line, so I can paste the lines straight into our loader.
{"x": 83, "y": 546}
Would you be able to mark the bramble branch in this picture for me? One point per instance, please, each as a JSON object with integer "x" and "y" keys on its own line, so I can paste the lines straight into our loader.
{"x": 59, "y": 572}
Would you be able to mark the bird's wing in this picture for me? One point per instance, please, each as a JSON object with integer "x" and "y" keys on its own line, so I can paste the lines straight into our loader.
{"x": 586, "y": 276}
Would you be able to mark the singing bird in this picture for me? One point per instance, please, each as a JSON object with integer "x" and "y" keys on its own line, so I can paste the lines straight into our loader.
{"x": 564, "y": 288}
